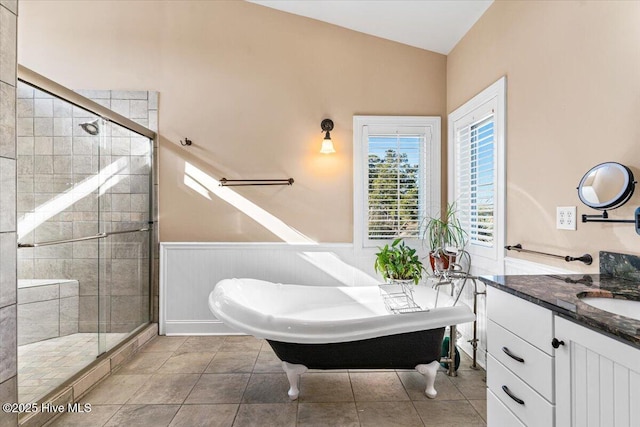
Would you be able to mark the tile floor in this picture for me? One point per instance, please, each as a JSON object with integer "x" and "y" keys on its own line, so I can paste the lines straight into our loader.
{"x": 44, "y": 365}
{"x": 238, "y": 381}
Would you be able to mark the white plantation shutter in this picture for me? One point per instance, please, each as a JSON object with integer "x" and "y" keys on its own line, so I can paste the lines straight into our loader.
{"x": 476, "y": 179}
{"x": 395, "y": 185}
{"x": 476, "y": 171}
{"x": 396, "y": 176}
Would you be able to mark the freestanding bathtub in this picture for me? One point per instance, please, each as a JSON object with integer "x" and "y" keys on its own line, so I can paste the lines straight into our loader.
{"x": 318, "y": 327}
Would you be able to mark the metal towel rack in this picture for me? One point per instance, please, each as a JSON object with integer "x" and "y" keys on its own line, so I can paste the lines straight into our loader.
{"x": 224, "y": 182}
{"x": 586, "y": 258}
{"x": 79, "y": 239}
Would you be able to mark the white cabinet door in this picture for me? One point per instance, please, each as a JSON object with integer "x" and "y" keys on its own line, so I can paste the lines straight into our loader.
{"x": 597, "y": 379}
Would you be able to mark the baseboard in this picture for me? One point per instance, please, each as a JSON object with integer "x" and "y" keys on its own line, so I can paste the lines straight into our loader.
{"x": 197, "y": 327}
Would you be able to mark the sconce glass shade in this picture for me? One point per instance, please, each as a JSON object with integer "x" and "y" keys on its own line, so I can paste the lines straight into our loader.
{"x": 327, "y": 145}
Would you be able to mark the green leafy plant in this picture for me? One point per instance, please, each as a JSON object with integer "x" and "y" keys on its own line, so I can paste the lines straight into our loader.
{"x": 398, "y": 262}
{"x": 444, "y": 234}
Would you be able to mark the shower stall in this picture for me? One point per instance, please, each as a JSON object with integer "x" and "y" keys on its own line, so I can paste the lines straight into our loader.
{"x": 85, "y": 241}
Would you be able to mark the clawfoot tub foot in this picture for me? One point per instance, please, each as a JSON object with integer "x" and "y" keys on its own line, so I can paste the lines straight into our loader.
{"x": 293, "y": 372}
{"x": 429, "y": 371}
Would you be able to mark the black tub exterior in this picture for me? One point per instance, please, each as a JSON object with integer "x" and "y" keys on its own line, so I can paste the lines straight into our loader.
{"x": 400, "y": 351}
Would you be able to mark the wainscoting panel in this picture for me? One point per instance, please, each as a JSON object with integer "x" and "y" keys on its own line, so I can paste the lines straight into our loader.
{"x": 189, "y": 272}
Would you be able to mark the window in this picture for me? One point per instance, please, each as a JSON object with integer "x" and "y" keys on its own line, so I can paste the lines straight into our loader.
{"x": 476, "y": 174}
{"x": 475, "y": 160}
{"x": 397, "y": 176}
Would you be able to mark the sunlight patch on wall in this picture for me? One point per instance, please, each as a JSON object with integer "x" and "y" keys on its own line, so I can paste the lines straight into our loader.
{"x": 345, "y": 273}
{"x": 195, "y": 186}
{"x": 329, "y": 262}
{"x": 205, "y": 185}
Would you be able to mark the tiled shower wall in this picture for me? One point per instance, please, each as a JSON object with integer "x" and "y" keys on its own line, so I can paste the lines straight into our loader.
{"x": 53, "y": 154}
{"x": 8, "y": 294}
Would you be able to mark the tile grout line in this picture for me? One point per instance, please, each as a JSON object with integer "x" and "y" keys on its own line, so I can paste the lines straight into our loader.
{"x": 249, "y": 380}
{"x": 192, "y": 387}
{"x": 413, "y": 402}
{"x": 234, "y": 417}
{"x": 353, "y": 394}
{"x": 113, "y": 415}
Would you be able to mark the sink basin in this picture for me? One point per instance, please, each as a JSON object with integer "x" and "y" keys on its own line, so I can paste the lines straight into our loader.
{"x": 622, "y": 307}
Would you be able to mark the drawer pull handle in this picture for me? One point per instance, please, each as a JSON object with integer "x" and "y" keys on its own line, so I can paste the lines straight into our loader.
{"x": 511, "y": 355}
{"x": 506, "y": 390}
{"x": 555, "y": 343}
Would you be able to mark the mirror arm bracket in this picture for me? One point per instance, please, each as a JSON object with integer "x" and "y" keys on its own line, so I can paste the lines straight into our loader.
{"x": 594, "y": 218}
{"x": 604, "y": 217}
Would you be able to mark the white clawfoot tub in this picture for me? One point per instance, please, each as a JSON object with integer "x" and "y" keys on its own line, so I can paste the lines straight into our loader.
{"x": 341, "y": 327}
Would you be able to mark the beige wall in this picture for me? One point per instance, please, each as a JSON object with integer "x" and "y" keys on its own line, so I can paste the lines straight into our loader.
{"x": 573, "y": 101}
{"x": 249, "y": 85}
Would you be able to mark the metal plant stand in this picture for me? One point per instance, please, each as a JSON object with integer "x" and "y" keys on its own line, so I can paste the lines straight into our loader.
{"x": 456, "y": 273}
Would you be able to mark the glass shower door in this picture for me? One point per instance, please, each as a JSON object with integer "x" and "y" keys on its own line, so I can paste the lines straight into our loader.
{"x": 58, "y": 235}
{"x": 124, "y": 218}
{"x": 83, "y": 211}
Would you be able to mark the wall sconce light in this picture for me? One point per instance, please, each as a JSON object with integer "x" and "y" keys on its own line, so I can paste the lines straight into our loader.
{"x": 327, "y": 145}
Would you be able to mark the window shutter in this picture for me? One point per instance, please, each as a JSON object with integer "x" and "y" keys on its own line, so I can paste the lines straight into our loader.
{"x": 475, "y": 166}
{"x": 396, "y": 177}
{"x": 395, "y": 185}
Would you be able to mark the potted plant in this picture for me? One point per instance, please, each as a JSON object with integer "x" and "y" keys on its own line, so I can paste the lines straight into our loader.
{"x": 398, "y": 262}
{"x": 445, "y": 236}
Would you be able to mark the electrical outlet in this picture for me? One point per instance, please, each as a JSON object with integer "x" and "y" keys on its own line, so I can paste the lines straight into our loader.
{"x": 566, "y": 217}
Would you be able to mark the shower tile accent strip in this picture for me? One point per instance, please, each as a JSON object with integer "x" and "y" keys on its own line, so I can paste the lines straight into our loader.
{"x": 8, "y": 166}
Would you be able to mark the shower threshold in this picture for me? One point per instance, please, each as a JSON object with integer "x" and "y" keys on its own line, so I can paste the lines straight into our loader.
{"x": 45, "y": 365}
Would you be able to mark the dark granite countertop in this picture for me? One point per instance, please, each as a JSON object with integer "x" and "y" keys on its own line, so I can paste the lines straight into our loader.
{"x": 559, "y": 293}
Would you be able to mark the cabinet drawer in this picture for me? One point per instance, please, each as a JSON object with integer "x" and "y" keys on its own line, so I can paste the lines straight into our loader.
{"x": 537, "y": 368}
{"x": 534, "y": 411}
{"x": 498, "y": 415}
{"x": 530, "y": 322}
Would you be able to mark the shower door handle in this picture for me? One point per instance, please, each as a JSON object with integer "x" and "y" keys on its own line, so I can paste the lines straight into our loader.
{"x": 79, "y": 239}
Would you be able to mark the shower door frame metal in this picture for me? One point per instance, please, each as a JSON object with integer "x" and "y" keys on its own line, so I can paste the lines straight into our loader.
{"x": 34, "y": 79}
{"x": 44, "y": 84}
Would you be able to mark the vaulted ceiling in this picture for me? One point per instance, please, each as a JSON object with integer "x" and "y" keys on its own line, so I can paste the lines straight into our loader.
{"x": 435, "y": 25}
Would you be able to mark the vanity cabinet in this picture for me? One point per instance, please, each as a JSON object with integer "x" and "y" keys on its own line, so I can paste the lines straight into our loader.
{"x": 520, "y": 362}
{"x": 589, "y": 380}
{"x": 597, "y": 379}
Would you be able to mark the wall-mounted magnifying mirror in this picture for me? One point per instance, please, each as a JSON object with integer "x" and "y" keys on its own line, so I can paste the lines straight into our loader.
{"x": 606, "y": 186}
